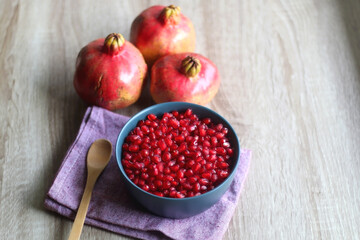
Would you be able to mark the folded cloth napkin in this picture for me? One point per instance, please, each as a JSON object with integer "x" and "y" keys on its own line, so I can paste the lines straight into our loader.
{"x": 112, "y": 208}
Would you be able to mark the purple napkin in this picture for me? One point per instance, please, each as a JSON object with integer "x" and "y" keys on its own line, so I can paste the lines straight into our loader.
{"x": 112, "y": 208}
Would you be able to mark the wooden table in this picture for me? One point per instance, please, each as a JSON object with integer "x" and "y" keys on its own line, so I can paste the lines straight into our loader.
{"x": 290, "y": 86}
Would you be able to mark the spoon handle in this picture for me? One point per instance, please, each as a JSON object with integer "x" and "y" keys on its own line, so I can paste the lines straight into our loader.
{"x": 81, "y": 213}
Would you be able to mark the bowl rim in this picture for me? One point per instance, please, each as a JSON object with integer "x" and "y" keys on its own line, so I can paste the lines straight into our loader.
{"x": 118, "y": 157}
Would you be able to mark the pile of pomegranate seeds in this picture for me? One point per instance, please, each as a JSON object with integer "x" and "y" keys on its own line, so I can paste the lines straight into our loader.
{"x": 178, "y": 155}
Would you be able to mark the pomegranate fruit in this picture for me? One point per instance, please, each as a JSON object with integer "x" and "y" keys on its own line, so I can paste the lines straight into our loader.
{"x": 184, "y": 77}
{"x": 110, "y": 72}
{"x": 161, "y": 30}
{"x": 177, "y": 155}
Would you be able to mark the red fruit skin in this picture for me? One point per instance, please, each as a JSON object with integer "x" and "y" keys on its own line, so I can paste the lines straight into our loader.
{"x": 169, "y": 84}
{"x": 155, "y": 39}
{"x": 106, "y": 80}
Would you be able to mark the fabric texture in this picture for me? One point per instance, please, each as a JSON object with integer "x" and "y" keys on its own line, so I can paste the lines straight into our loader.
{"x": 111, "y": 206}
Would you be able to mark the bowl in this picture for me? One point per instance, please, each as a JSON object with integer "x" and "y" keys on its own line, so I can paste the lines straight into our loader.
{"x": 178, "y": 207}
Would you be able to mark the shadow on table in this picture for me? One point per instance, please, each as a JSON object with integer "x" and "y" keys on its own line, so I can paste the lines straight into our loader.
{"x": 350, "y": 12}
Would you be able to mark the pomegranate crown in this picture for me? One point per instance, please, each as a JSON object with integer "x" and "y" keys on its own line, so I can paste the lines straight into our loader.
{"x": 190, "y": 66}
{"x": 170, "y": 14}
{"x": 113, "y": 43}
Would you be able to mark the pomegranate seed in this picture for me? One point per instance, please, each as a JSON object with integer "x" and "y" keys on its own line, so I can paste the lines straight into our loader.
{"x": 225, "y": 130}
{"x": 219, "y": 135}
{"x": 141, "y": 182}
{"x": 175, "y": 168}
{"x": 162, "y": 144}
{"x": 212, "y": 151}
{"x": 175, "y": 113}
{"x": 167, "y": 170}
{"x": 180, "y": 174}
{"x": 219, "y": 127}
{"x": 174, "y": 152}
{"x": 213, "y": 141}
{"x": 202, "y": 132}
{"x": 166, "y": 185}
{"x": 191, "y": 128}
{"x": 145, "y": 187}
{"x": 164, "y": 129}
{"x": 157, "y": 151}
{"x": 158, "y": 133}
{"x": 181, "y": 158}
{"x": 125, "y": 147}
{"x": 155, "y": 172}
{"x": 206, "y": 175}
{"x": 160, "y": 194}
{"x": 160, "y": 166}
{"x": 221, "y": 150}
{"x": 166, "y": 156}
{"x": 223, "y": 173}
{"x": 127, "y": 156}
{"x": 151, "y": 117}
{"x": 203, "y": 181}
{"x": 208, "y": 166}
{"x": 158, "y": 183}
{"x": 182, "y": 147}
{"x": 133, "y": 138}
{"x": 146, "y": 146}
{"x": 174, "y": 123}
{"x": 192, "y": 148}
{"x": 190, "y": 163}
{"x": 156, "y": 158}
{"x": 168, "y": 142}
{"x": 222, "y": 165}
{"x": 169, "y": 178}
{"x": 210, "y": 131}
{"x": 207, "y": 121}
{"x": 144, "y": 152}
{"x": 173, "y": 193}
{"x": 179, "y": 138}
{"x": 196, "y": 167}
{"x": 187, "y": 186}
{"x": 192, "y": 180}
{"x": 213, "y": 177}
{"x": 188, "y": 112}
{"x": 152, "y": 187}
{"x": 189, "y": 173}
{"x": 196, "y": 187}
{"x": 152, "y": 136}
{"x": 226, "y": 144}
{"x": 133, "y": 148}
{"x": 179, "y": 195}
{"x": 144, "y": 175}
{"x": 145, "y": 129}
{"x": 128, "y": 171}
{"x": 154, "y": 124}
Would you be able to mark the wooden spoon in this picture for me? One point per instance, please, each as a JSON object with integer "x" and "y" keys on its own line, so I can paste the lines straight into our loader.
{"x": 97, "y": 158}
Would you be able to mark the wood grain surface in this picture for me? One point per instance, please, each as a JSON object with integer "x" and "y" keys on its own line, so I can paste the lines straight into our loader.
{"x": 290, "y": 87}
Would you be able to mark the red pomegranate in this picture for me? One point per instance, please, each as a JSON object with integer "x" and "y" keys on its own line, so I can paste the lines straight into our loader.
{"x": 161, "y": 30}
{"x": 110, "y": 72}
{"x": 185, "y": 77}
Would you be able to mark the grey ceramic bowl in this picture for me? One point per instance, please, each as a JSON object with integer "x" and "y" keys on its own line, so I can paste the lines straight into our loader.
{"x": 178, "y": 207}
